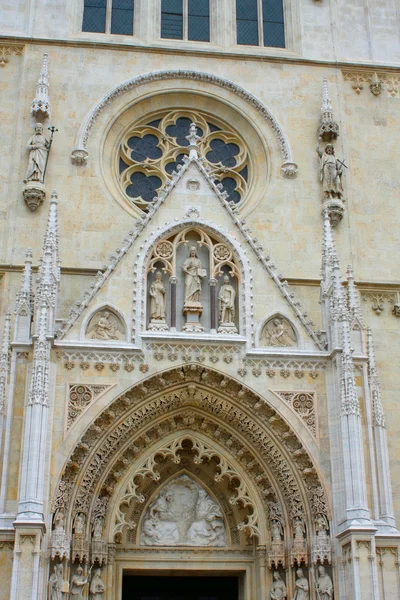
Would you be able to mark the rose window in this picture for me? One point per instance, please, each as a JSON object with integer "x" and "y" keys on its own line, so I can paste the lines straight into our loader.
{"x": 153, "y": 149}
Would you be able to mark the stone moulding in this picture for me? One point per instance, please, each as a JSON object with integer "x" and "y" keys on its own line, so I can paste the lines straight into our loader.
{"x": 7, "y": 51}
{"x": 375, "y": 81}
{"x": 80, "y": 154}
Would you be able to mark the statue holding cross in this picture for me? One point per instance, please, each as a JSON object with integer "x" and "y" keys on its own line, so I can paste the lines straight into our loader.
{"x": 331, "y": 169}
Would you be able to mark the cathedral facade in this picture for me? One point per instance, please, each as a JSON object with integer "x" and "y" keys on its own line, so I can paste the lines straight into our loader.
{"x": 199, "y": 300}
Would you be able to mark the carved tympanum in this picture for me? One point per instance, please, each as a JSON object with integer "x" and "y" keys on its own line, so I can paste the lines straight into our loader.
{"x": 105, "y": 325}
{"x": 278, "y": 332}
{"x": 183, "y": 514}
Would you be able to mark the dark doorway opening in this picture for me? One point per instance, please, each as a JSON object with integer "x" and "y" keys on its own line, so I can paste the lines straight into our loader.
{"x": 179, "y": 588}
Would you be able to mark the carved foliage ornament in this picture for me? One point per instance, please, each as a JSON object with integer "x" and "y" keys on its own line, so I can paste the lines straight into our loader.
{"x": 79, "y": 398}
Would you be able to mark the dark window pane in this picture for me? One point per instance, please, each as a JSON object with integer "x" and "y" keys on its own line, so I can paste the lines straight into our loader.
{"x": 122, "y": 17}
{"x": 229, "y": 185}
{"x": 273, "y": 24}
{"x": 246, "y": 9}
{"x": 223, "y": 153}
{"x": 199, "y": 29}
{"x": 274, "y": 35}
{"x": 154, "y": 123}
{"x": 213, "y": 127}
{"x": 244, "y": 173}
{"x": 94, "y": 16}
{"x": 122, "y": 166}
{"x": 145, "y": 147}
{"x": 172, "y": 19}
{"x": 272, "y": 10}
{"x": 143, "y": 186}
{"x": 173, "y": 165}
{"x": 180, "y": 130}
{"x": 199, "y": 8}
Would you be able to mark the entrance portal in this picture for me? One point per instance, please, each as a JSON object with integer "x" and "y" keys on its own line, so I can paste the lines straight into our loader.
{"x": 179, "y": 588}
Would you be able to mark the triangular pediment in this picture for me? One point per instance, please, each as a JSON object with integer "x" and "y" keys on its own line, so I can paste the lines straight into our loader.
{"x": 190, "y": 197}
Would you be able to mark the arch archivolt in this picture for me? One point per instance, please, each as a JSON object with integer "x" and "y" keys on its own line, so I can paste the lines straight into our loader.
{"x": 211, "y": 423}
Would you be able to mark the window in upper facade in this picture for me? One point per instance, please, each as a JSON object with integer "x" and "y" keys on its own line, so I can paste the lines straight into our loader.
{"x": 154, "y": 148}
{"x": 185, "y": 20}
{"x": 120, "y": 14}
{"x": 260, "y": 23}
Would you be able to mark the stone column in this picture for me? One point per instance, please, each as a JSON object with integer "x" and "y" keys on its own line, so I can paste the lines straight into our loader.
{"x": 262, "y": 557}
{"x": 213, "y": 305}
{"x": 173, "y": 281}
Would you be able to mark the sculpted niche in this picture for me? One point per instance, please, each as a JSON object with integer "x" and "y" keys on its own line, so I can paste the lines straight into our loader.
{"x": 105, "y": 325}
{"x": 193, "y": 282}
{"x": 278, "y": 332}
{"x": 183, "y": 514}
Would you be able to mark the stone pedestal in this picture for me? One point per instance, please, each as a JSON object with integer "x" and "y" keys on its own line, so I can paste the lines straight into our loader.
{"x": 193, "y": 311}
{"x": 34, "y": 193}
{"x": 227, "y": 328}
{"x": 158, "y": 325}
{"x": 335, "y": 208}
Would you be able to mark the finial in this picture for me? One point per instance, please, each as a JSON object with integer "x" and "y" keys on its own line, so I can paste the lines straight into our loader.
{"x": 374, "y": 383}
{"x": 193, "y": 139}
{"x": 41, "y": 107}
{"x": 5, "y": 360}
{"x": 328, "y": 129}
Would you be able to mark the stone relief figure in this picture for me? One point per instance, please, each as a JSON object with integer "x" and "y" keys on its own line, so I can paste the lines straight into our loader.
{"x": 276, "y": 531}
{"x": 226, "y": 303}
{"x": 324, "y": 584}
{"x": 38, "y": 147}
{"x": 105, "y": 326}
{"x": 330, "y": 172}
{"x": 278, "y": 587}
{"x": 183, "y": 515}
{"x": 56, "y": 583}
{"x": 158, "y": 297}
{"x": 79, "y": 524}
{"x": 194, "y": 272}
{"x": 97, "y": 587}
{"x": 301, "y": 587}
{"x": 78, "y": 582}
{"x": 321, "y": 524}
{"x": 278, "y": 332}
{"x": 98, "y": 527}
{"x": 299, "y": 529}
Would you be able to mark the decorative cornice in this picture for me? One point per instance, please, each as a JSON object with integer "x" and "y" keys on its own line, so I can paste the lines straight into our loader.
{"x": 80, "y": 154}
{"x": 375, "y": 80}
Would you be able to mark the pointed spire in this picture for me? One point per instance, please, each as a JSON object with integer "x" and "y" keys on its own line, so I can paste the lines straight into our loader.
{"x": 47, "y": 281}
{"x": 349, "y": 397}
{"x": 41, "y": 106}
{"x": 374, "y": 384}
{"x": 328, "y": 129}
{"x": 193, "y": 139}
{"x": 5, "y": 360}
{"x": 352, "y": 297}
{"x": 25, "y": 295}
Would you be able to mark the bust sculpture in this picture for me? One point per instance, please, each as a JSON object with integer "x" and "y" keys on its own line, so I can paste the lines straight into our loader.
{"x": 38, "y": 147}
{"x": 278, "y": 590}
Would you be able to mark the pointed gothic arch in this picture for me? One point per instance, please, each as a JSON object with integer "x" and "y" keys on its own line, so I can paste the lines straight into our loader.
{"x": 199, "y": 404}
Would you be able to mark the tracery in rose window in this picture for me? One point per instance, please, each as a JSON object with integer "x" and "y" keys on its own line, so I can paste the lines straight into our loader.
{"x": 154, "y": 147}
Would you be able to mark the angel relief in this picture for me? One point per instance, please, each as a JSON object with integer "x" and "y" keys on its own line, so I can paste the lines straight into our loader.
{"x": 278, "y": 332}
{"x": 105, "y": 325}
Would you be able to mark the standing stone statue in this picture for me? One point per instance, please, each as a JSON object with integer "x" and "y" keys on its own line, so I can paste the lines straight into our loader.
{"x": 330, "y": 172}
{"x": 97, "y": 587}
{"x": 38, "y": 147}
{"x": 226, "y": 301}
{"x": 79, "y": 523}
{"x": 158, "y": 299}
{"x": 324, "y": 584}
{"x": 301, "y": 587}
{"x": 194, "y": 272}
{"x": 78, "y": 582}
{"x": 276, "y": 531}
{"x": 56, "y": 583}
{"x": 98, "y": 528}
{"x": 278, "y": 591}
